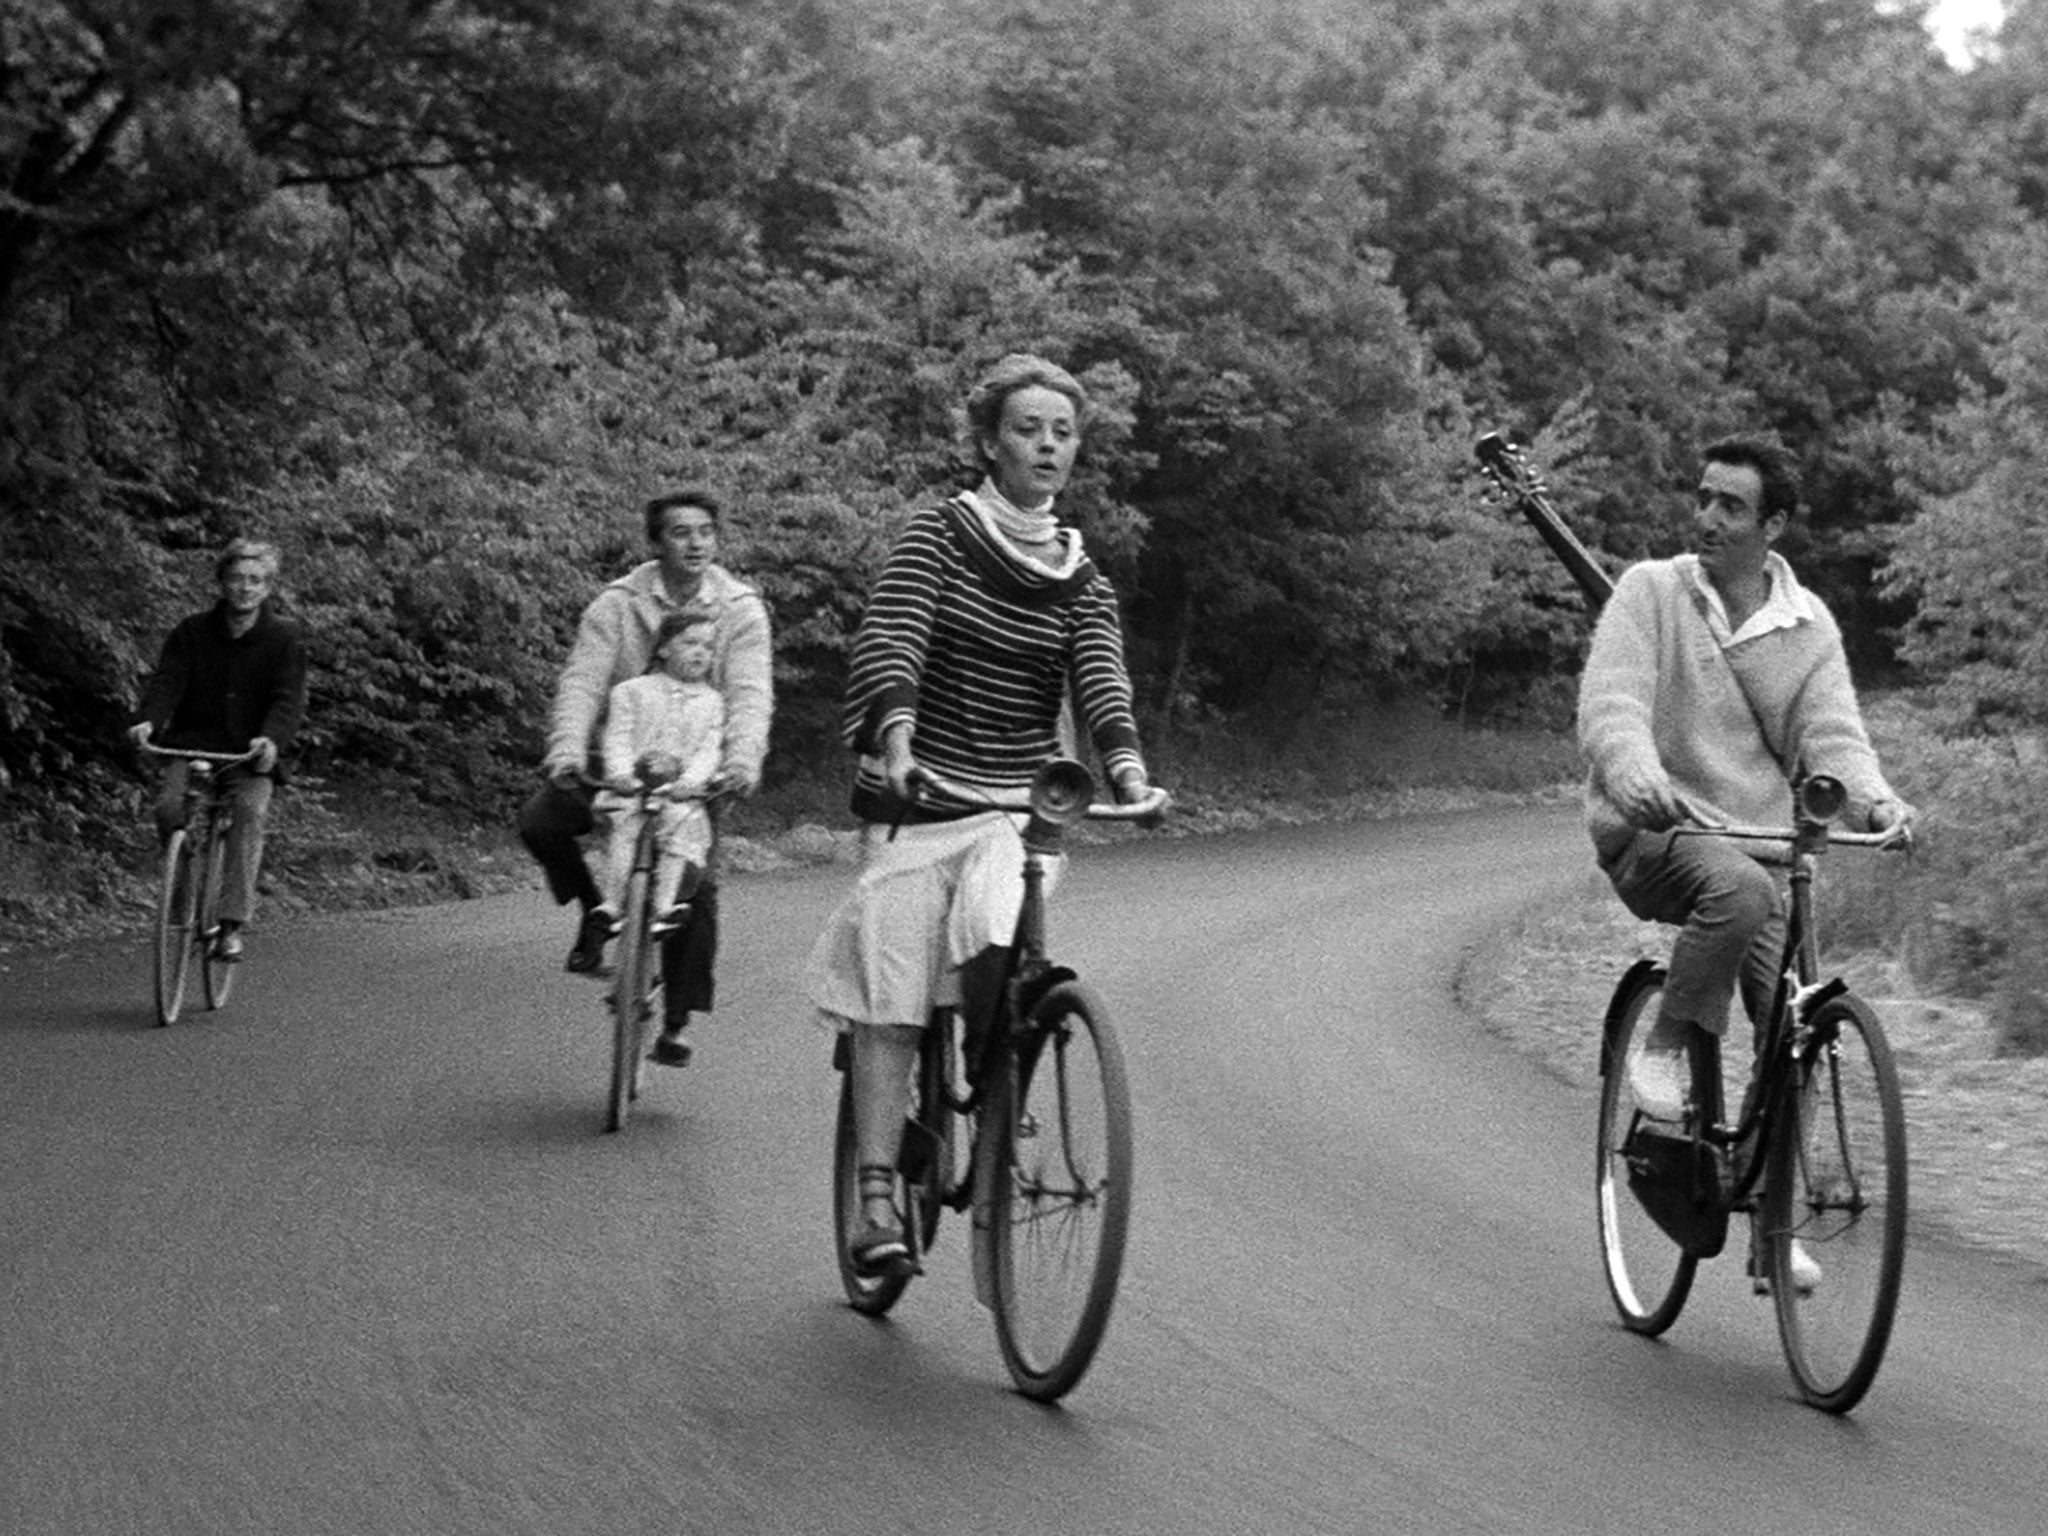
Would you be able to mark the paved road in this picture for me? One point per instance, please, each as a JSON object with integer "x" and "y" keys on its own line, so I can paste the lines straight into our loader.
{"x": 353, "y": 1256}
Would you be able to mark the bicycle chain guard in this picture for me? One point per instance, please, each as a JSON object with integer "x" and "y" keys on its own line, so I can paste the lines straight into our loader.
{"x": 1676, "y": 1178}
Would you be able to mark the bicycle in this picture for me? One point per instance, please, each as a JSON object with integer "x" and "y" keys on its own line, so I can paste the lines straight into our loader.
{"x": 188, "y": 896}
{"x": 1039, "y": 1104}
{"x": 635, "y": 996}
{"x": 1817, "y": 1152}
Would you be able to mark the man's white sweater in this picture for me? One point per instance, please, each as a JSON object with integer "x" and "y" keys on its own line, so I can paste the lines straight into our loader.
{"x": 1727, "y": 715}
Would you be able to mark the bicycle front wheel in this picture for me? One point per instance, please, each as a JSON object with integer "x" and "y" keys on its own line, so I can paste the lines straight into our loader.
{"x": 176, "y": 905}
{"x": 1059, "y": 1191}
{"x": 1649, "y": 1274}
{"x": 631, "y": 1004}
{"x": 1837, "y": 1189}
{"x": 217, "y": 975}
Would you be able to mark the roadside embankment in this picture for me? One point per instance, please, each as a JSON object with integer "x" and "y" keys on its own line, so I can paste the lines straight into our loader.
{"x": 1977, "y": 1122}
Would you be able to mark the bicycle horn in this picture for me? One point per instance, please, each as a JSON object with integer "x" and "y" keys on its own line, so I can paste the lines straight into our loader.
{"x": 1061, "y": 791}
{"x": 1821, "y": 799}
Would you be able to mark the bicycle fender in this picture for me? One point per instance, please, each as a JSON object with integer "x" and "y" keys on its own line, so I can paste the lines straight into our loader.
{"x": 1032, "y": 991}
{"x": 1811, "y": 1000}
{"x": 1635, "y": 976}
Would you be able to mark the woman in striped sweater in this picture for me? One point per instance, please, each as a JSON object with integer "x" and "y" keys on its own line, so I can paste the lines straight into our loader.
{"x": 985, "y": 616}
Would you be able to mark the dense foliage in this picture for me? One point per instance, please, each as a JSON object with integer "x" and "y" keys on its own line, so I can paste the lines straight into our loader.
{"x": 433, "y": 294}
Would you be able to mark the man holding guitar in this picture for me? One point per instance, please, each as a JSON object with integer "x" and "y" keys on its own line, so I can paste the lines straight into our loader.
{"x": 1714, "y": 680}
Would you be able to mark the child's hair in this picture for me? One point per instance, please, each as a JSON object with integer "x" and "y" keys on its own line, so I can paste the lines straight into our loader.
{"x": 681, "y": 622}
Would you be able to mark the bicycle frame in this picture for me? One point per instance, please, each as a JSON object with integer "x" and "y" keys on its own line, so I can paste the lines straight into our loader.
{"x": 1056, "y": 802}
{"x": 188, "y": 902}
{"x": 1797, "y": 993}
{"x": 206, "y": 780}
{"x": 1026, "y": 977}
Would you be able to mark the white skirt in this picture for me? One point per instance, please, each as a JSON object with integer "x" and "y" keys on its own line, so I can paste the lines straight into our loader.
{"x": 927, "y": 901}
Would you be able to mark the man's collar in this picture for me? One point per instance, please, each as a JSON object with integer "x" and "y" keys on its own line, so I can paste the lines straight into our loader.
{"x": 1786, "y": 604}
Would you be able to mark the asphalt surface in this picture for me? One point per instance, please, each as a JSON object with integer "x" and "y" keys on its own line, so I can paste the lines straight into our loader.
{"x": 354, "y": 1256}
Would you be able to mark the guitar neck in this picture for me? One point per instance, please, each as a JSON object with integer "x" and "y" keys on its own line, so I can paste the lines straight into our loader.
{"x": 1576, "y": 558}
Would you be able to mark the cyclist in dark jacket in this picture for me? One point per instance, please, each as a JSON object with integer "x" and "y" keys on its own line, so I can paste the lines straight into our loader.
{"x": 231, "y": 679}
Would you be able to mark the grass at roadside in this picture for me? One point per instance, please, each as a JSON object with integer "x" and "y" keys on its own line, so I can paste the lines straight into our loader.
{"x": 1977, "y": 1122}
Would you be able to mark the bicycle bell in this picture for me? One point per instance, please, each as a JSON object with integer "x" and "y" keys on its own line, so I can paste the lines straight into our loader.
{"x": 1821, "y": 798}
{"x": 1061, "y": 791}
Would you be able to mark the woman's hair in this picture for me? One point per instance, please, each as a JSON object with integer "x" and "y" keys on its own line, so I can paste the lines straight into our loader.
{"x": 657, "y": 510}
{"x": 265, "y": 555}
{"x": 1773, "y": 466}
{"x": 1020, "y": 370}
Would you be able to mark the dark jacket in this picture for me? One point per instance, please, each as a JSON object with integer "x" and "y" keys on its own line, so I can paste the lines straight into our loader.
{"x": 216, "y": 692}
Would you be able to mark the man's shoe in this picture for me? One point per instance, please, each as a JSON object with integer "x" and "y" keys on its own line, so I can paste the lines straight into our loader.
{"x": 677, "y": 916}
{"x": 670, "y": 1050}
{"x": 228, "y": 946}
{"x": 878, "y": 1249}
{"x": 1805, "y": 1267}
{"x": 591, "y": 935}
{"x": 1659, "y": 1071}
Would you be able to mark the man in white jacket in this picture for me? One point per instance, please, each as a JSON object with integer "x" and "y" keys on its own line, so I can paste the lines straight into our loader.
{"x": 1713, "y": 676}
{"x": 615, "y": 641}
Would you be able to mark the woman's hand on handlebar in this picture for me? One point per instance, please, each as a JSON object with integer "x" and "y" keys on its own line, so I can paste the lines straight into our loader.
{"x": 1135, "y": 789}
{"x": 898, "y": 766}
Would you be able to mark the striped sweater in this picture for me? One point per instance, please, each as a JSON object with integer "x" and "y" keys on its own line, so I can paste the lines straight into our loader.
{"x": 976, "y": 650}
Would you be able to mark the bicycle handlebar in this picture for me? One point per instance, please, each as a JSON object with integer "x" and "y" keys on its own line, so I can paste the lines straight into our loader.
{"x": 1154, "y": 804}
{"x": 643, "y": 787}
{"x": 218, "y": 759}
{"x": 1895, "y": 838}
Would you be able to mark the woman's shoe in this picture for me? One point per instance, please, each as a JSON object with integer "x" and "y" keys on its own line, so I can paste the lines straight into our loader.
{"x": 878, "y": 1249}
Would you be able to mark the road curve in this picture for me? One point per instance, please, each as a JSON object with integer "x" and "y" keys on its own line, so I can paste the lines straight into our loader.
{"x": 352, "y": 1256}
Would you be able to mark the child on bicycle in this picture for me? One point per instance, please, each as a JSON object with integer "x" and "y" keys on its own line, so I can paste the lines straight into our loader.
{"x": 672, "y": 720}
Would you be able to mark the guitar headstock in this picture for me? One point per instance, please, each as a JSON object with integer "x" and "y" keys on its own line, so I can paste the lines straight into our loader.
{"x": 1508, "y": 467}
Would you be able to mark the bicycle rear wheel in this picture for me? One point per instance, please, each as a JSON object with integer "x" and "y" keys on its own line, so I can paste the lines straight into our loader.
{"x": 216, "y": 975}
{"x": 632, "y": 982}
{"x": 1059, "y": 1187}
{"x": 1837, "y": 1186}
{"x": 865, "y": 1293}
{"x": 176, "y": 903}
{"x": 1648, "y": 1273}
